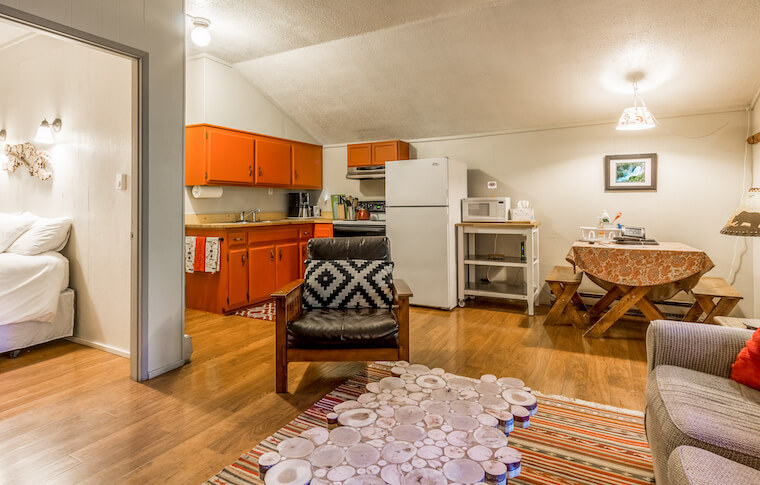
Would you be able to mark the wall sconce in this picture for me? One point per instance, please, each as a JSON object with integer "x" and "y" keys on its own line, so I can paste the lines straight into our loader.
{"x": 3, "y": 135}
{"x": 46, "y": 130}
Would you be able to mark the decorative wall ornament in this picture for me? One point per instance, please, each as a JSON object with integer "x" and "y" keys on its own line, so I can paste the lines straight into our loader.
{"x": 34, "y": 159}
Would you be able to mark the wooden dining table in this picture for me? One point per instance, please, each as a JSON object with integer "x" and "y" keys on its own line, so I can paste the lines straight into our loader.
{"x": 636, "y": 275}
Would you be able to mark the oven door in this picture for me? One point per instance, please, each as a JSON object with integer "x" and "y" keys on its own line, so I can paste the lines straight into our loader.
{"x": 357, "y": 230}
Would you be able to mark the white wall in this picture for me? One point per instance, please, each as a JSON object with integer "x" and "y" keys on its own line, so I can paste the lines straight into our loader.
{"x": 217, "y": 94}
{"x": 156, "y": 27}
{"x": 92, "y": 94}
{"x": 561, "y": 172}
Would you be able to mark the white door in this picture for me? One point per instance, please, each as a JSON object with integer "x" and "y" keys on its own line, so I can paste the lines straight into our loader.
{"x": 416, "y": 183}
{"x": 421, "y": 252}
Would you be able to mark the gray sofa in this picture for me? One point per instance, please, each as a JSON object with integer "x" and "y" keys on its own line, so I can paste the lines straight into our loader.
{"x": 691, "y": 402}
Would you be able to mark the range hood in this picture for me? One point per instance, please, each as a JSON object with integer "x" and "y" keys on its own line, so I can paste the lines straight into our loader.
{"x": 363, "y": 173}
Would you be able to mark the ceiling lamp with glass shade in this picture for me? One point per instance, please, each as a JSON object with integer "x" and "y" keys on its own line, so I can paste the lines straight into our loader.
{"x": 636, "y": 117}
{"x": 200, "y": 35}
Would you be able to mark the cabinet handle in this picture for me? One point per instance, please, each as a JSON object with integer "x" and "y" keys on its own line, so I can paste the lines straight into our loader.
{"x": 242, "y": 259}
{"x": 280, "y": 254}
{"x": 271, "y": 255}
{"x": 296, "y": 173}
{"x": 250, "y": 171}
{"x": 259, "y": 171}
{"x": 237, "y": 238}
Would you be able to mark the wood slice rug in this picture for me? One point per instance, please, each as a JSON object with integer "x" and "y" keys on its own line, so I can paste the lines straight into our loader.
{"x": 265, "y": 311}
{"x": 568, "y": 442}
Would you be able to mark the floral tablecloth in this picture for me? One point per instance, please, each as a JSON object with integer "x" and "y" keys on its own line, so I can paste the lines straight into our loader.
{"x": 670, "y": 267}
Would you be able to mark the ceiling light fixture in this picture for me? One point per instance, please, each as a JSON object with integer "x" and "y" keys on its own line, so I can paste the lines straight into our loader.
{"x": 200, "y": 34}
{"x": 636, "y": 117}
{"x": 46, "y": 130}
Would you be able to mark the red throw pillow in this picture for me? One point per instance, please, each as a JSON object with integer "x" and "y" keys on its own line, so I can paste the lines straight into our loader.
{"x": 746, "y": 369}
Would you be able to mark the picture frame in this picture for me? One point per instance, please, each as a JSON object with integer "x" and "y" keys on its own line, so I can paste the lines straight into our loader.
{"x": 636, "y": 172}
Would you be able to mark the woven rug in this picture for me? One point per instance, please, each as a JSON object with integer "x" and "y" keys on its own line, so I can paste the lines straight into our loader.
{"x": 264, "y": 311}
{"x": 568, "y": 442}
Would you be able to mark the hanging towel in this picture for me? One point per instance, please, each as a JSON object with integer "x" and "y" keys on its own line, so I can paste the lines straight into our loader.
{"x": 201, "y": 254}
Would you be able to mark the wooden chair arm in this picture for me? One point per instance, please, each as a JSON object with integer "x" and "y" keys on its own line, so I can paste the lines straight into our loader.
{"x": 401, "y": 289}
{"x": 288, "y": 289}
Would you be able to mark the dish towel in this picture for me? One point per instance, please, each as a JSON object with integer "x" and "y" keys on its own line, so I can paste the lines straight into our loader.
{"x": 201, "y": 254}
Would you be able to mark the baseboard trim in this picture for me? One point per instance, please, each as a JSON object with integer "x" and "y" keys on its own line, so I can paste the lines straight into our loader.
{"x": 99, "y": 346}
{"x": 164, "y": 369}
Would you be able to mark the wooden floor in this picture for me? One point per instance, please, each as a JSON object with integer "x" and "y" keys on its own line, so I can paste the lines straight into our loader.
{"x": 70, "y": 414}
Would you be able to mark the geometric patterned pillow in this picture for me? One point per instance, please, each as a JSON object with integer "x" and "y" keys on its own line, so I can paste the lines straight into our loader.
{"x": 344, "y": 284}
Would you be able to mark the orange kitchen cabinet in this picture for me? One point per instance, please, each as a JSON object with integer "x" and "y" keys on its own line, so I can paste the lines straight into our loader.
{"x": 388, "y": 151}
{"x": 238, "y": 277}
{"x": 262, "y": 272}
{"x": 273, "y": 162}
{"x": 288, "y": 268}
{"x": 307, "y": 166}
{"x": 218, "y": 156}
{"x": 304, "y": 250}
{"x": 359, "y": 154}
{"x": 323, "y": 230}
{"x": 373, "y": 154}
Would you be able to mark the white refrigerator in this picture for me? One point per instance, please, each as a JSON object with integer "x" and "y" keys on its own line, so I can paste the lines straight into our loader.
{"x": 423, "y": 201}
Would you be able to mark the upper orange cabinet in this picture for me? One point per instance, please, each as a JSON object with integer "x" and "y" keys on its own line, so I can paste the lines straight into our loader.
{"x": 307, "y": 166}
{"x": 371, "y": 154}
{"x": 274, "y": 159}
{"x": 216, "y": 155}
{"x": 222, "y": 156}
{"x": 360, "y": 154}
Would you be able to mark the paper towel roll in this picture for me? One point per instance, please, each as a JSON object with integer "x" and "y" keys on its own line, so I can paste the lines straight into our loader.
{"x": 207, "y": 192}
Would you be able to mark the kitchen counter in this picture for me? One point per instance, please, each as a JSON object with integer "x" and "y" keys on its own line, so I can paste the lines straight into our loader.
{"x": 245, "y": 225}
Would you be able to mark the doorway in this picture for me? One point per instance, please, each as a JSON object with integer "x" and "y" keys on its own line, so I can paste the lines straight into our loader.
{"x": 77, "y": 103}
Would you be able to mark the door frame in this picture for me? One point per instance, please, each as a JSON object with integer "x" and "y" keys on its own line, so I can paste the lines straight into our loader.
{"x": 138, "y": 361}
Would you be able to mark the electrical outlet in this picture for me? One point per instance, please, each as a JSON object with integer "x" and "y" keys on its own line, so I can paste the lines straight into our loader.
{"x": 270, "y": 191}
{"x": 121, "y": 181}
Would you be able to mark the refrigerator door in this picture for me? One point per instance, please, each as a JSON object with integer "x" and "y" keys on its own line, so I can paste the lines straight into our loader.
{"x": 417, "y": 183}
{"x": 422, "y": 249}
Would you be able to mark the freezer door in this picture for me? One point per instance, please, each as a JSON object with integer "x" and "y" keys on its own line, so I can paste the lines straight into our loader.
{"x": 417, "y": 183}
{"x": 422, "y": 249}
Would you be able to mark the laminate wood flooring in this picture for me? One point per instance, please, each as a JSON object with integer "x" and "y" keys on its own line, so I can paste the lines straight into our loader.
{"x": 70, "y": 414}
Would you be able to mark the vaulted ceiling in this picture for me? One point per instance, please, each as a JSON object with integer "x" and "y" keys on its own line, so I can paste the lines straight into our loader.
{"x": 352, "y": 70}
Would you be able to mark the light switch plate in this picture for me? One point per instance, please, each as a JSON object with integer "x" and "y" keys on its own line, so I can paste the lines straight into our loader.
{"x": 121, "y": 181}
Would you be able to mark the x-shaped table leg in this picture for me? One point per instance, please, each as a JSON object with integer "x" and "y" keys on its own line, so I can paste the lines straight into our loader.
{"x": 631, "y": 295}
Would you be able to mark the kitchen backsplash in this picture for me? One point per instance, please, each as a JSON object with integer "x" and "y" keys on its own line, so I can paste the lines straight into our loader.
{"x": 235, "y": 199}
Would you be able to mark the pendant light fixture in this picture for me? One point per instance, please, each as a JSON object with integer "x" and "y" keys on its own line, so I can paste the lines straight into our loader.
{"x": 636, "y": 117}
{"x": 200, "y": 34}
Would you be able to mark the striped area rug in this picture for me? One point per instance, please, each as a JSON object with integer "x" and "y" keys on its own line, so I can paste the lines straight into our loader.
{"x": 568, "y": 442}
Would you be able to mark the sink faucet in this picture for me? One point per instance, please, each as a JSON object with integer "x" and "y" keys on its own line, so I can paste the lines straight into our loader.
{"x": 244, "y": 214}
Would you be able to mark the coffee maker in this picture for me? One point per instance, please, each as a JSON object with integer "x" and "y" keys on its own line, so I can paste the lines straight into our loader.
{"x": 298, "y": 204}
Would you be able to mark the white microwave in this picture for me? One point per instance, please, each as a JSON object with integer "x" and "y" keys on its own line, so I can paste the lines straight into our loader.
{"x": 485, "y": 209}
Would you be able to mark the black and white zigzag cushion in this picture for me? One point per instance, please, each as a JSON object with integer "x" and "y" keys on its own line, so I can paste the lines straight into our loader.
{"x": 344, "y": 284}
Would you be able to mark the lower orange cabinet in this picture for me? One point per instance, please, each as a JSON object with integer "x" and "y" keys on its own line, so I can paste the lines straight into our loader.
{"x": 288, "y": 267}
{"x": 238, "y": 277}
{"x": 261, "y": 272}
{"x": 254, "y": 262}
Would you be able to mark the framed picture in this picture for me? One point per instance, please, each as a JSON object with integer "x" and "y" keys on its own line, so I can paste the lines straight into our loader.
{"x": 630, "y": 172}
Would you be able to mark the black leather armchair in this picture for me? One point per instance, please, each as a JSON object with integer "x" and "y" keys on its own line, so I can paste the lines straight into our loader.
{"x": 323, "y": 335}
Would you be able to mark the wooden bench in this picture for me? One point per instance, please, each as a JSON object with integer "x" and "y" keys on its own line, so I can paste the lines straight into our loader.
{"x": 705, "y": 293}
{"x": 564, "y": 283}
